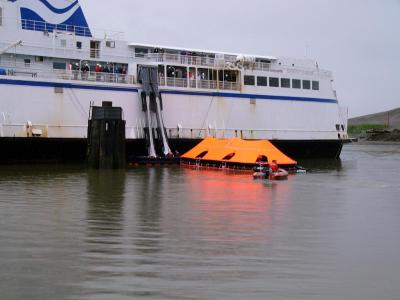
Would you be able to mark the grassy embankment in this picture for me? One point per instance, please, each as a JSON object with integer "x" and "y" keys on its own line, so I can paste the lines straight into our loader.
{"x": 357, "y": 130}
{"x": 379, "y": 133}
{"x": 383, "y": 126}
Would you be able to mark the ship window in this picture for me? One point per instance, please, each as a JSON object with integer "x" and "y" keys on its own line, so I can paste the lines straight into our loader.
{"x": 63, "y": 43}
{"x": 262, "y": 81}
{"x": 202, "y": 154}
{"x": 1, "y": 16}
{"x": 59, "y": 65}
{"x": 39, "y": 58}
{"x": 315, "y": 85}
{"x": 249, "y": 80}
{"x": 274, "y": 81}
{"x": 141, "y": 52}
{"x": 229, "y": 156}
{"x": 110, "y": 44}
{"x": 296, "y": 83}
{"x": 285, "y": 82}
{"x": 78, "y": 45}
{"x": 27, "y": 62}
{"x": 306, "y": 84}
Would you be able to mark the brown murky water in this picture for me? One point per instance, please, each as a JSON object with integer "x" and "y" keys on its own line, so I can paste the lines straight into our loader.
{"x": 175, "y": 233}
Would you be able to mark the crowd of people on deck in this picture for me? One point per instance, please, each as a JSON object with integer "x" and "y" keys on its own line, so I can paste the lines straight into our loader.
{"x": 105, "y": 72}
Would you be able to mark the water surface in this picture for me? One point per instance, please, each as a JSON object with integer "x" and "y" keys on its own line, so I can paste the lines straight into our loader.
{"x": 177, "y": 233}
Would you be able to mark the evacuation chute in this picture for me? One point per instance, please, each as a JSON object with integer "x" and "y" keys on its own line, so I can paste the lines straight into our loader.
{"x": 151, "y": 100}
{"x": 237, "y": 151}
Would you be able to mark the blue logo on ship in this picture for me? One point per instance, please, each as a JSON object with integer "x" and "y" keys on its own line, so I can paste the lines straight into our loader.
{"x": 41, "y": 15}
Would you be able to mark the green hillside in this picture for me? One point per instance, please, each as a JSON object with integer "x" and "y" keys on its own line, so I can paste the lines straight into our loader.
{"x": 379, "y": 120}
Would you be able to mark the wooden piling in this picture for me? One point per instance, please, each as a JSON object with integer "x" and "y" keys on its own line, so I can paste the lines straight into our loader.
{"x": 106, "y": 138}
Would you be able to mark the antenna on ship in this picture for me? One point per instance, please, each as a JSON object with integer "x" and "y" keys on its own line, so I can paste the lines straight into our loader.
{"x": 307, "y": 50}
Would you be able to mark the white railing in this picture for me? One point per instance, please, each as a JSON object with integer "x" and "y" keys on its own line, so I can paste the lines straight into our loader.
{"x": 178, "y": 58}
{"x": 199, "y": 83}
{"x": 177, "y": 82}
{"x": 69, "y": 75}
{"x": 229, "y": 64}
{"x": 194, "y": 133}
{"x": 262, "y": 66}
{"x": 226, "y": 85}
{"x": 56, "y": 130}
{"x": 48, "y": 27}
{"x": 77, "y": 30}
{"x": 206, "y": 84}
{"x": 137, "y": 131}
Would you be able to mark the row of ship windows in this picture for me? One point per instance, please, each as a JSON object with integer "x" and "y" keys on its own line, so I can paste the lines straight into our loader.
{"x": 281, "y": 82}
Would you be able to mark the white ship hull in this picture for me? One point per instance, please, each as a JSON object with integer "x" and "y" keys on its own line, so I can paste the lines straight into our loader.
{"x": 60, "y": 109}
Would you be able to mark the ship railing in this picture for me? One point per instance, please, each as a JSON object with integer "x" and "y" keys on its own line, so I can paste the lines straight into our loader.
{"x": 47, "y": 28}
{"x": 199, "y": 83}
{"x": 193, "y": 83}
{"x": 178, "y": 58}
{"x": 260, "y": 66}
{"x": 71, "y": 75}
{"x": 99, "y": 77}
{"x": 176, "y": 82}
{"x": 227, "y": 85}
{"x": 217, "y": 132}
{"x": 290, "y": 69}
{"x": 206, "y": 84}
{"x": 230, "y": 63}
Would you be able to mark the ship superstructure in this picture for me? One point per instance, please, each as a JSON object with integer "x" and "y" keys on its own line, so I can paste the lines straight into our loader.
{"x": 54, "y": 67}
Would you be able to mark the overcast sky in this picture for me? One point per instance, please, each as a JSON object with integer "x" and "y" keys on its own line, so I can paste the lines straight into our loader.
{"x": 359, "y": 40}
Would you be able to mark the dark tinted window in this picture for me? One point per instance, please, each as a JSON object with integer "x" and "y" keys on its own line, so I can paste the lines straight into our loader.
{"x": 285, "y": 82}
{"x": 249, "y": 80}
{"x": 296, "y": 83}
{"x": 306, "y": 84}
{"x": 315, "y": 85}
{"x": 274, "y": 81}
{"x": 141, "y": 52}
{"x": 59, "y": 65}
{"x": 262, "y": 81}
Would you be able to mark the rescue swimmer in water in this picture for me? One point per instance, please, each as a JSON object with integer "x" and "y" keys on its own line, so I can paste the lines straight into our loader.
{"x": 271, "y": 171}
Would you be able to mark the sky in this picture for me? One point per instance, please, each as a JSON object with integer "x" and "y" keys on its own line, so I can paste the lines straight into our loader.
{"x": 359, "y": 40}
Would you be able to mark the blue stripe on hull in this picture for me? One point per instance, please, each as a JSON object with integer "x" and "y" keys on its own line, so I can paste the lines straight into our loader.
{"x": 250, "y": 96}
{"x": 166, "y": 92}
{"x": 66, "y": 85}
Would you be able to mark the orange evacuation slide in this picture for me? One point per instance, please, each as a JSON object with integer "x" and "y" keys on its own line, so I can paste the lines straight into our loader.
{"x": 237, "y": 151}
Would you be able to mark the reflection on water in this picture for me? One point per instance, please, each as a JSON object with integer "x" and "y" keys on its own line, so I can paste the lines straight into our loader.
{"x": 105, "y": 194}
{"x": 177, "y": 233}
{"x": 321, "y": 165}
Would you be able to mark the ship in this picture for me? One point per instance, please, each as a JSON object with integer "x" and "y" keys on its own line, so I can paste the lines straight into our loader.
{"x": 54, "y": 68}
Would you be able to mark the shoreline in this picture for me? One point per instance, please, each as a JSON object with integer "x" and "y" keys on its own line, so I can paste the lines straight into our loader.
{"x": 367, "y": 142}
